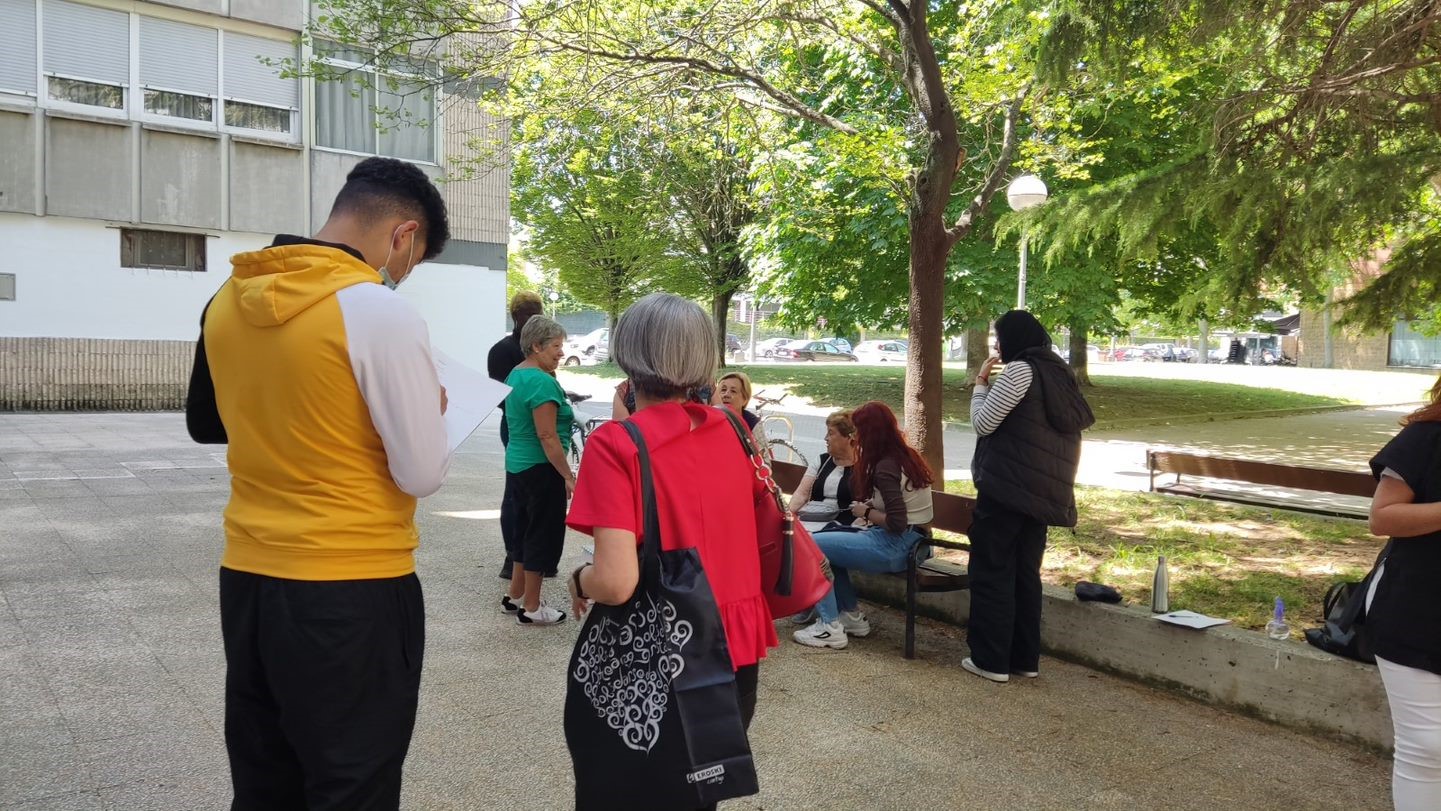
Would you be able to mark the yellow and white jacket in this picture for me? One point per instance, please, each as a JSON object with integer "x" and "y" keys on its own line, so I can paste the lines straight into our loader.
{"x": 325, "y": 386}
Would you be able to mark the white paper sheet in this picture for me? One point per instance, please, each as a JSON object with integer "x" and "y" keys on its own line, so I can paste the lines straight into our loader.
{"x": 1190, "y": 619}
{"x": 470, "y": 395}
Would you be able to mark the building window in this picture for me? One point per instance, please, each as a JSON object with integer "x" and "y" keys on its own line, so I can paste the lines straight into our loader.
{"x": 7, "y": 286}
{"x": 179, "y": 105}
{"x": 162, "y": 250}
{"x": 91, "y": 94}
{"x": 87, "y": 55}
{"x": 257, "y": 117}
{"x": 17, "y": 47}
{"x": 1411, "y": 348}
{"x": 179, "y": 69}
{"x": 377, "y": 113}
{"x": 257, "y": 97}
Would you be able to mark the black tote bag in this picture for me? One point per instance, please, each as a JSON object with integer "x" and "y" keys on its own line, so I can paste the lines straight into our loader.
{"x": 652, "y": 715}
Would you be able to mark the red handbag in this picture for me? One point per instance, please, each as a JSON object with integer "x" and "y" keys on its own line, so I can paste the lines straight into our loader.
{"x": 795, "y": 574}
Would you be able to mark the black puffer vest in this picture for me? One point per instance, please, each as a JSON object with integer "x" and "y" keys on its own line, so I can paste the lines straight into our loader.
{"x": 1028, "y": 464}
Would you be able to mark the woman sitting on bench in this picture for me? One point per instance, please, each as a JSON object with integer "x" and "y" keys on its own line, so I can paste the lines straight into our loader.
{"x": 824, "y": 494}
{"x": 899, "y": 482}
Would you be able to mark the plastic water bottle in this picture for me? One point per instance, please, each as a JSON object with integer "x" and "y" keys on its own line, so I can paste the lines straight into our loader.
{"x": 1161, "y": 588}
{"x": 1277, "y": 627}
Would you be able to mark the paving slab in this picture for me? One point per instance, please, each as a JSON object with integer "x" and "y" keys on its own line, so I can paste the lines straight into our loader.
{"x": 111, "y": 661}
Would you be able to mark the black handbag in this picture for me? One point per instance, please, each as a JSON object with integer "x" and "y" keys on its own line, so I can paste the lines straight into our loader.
{"x": 652, "y": 714}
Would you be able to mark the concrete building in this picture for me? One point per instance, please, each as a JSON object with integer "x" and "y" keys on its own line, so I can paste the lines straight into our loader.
{"x": 143, "y": 144}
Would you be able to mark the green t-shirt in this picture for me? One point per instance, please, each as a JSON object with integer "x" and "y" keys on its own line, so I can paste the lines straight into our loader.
{"x": 529, "y": 388}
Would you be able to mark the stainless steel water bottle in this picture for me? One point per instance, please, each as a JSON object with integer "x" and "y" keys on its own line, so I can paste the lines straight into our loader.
{"x": 1161, "y": 588}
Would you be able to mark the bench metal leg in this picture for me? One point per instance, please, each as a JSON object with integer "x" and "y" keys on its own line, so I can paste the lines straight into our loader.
{"x": 912, "y": 586}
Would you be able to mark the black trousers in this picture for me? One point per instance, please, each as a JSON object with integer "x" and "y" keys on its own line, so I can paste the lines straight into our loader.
{"x": 539, "y": 532}
{"x": 508, "y": 509}
{"x": 1005, "y": 625}
{"x": 747, "y": 685}
{"x": 321, "y": 684}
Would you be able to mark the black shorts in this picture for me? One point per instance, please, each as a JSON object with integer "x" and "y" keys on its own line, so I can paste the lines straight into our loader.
{"x": 540, "y": 504}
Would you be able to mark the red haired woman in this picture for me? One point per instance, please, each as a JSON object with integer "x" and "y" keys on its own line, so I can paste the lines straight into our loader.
{"x": 899, "y": 484}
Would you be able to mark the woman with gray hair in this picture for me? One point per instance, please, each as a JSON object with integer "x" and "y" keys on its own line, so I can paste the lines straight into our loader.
{"x": 704, "y": 492}
{"x": 537, "y": 467}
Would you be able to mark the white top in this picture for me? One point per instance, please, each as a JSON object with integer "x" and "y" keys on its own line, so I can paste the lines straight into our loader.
{"x": 826, "y": 507}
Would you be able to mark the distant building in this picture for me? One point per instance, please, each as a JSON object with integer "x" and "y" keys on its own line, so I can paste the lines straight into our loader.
{"x": 143, "y": 144}
{"x": 1402, "y": 346}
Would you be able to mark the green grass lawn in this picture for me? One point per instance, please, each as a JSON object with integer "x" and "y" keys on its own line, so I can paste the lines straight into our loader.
{"x": 1224, "y": 560}
{"x": 1115, "y": 400}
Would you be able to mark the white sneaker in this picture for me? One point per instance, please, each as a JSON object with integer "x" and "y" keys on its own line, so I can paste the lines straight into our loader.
{"x": 1026, "y": 674}
{"x": 998, "y": 678}
{"x": 855, "y": 624}
{"x": 804, "y": 618}
{"x": 510, "y": 605}
{"x": 545, "y": 615}
{"x": 822, "y": 635}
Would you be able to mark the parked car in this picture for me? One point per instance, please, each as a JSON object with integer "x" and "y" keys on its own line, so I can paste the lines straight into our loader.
{"x": 1093, "y": 354}
{"x": 768, "y": 347}
{"x": 881, "y": 351}
{"x": 1163, "y": 352}
{"x": 813, "y": 351}
{"x": 1133, "y": 353}
{"x": 590, "y": 348}
{"x": 841, "y": 344}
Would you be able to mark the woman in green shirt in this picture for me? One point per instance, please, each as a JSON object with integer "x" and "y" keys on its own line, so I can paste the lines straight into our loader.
{"x": 539, "y": 418}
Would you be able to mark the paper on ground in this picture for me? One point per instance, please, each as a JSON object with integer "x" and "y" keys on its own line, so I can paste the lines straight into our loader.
{"x": 1190, "y": 619}
{"x": 470, "y": 395}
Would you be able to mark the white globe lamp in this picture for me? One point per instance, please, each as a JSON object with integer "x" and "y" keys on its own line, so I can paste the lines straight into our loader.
{"x": 1026, "y": 191}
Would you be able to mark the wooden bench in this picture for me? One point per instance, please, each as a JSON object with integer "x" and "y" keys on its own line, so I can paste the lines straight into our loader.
{"x": 1338, "y": 482}
{"x": 952, "y": 514}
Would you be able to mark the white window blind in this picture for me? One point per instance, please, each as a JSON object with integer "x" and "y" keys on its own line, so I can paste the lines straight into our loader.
{"x": 177, "y": 56}
{"x": 248, "y": 78}
{"x": 17, "y": 45}
{"x": 87, "y": 43}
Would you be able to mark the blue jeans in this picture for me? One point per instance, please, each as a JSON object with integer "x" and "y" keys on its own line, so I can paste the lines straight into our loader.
{"x": 871, "y": 550}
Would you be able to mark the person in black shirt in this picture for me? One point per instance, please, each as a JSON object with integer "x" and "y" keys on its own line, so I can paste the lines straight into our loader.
{"x": 1403, "y": 606}
{"x": 503, "y": 358}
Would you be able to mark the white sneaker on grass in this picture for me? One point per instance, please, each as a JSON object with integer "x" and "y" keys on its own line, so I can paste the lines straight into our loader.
{"x": 972, "y": 667}
{"x": 855, "y": 624}
{"x": 823, "y": 635}
{"x": 544, "y": 615}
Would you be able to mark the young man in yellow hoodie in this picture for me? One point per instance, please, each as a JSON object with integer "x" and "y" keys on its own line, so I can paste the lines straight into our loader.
{"x": 320, "y": 377}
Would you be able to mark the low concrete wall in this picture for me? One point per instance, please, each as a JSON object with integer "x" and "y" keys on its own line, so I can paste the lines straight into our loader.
{"x": 1288, "y": 682}
{"x": 85, "y": 374}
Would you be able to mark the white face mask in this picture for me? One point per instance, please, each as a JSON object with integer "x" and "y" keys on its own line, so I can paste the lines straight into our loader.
{"x": 385, "y": 277}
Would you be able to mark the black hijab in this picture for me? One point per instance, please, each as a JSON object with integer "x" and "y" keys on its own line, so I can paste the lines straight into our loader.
{"x": 1017, "y": 331}
{"x": 1023, "y": 339}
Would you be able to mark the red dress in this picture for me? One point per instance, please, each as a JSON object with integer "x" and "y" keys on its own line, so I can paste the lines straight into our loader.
{"x": 704, "y": 491}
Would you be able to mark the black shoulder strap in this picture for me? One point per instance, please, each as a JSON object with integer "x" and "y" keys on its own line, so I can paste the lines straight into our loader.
{"x": 650, "y": 532}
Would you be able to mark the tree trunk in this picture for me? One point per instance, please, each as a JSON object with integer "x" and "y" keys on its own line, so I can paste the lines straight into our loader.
{"x": 1205, "y": 356}
{"x": 1080, "y": 362}
{"x": 720, "y": 307}
{"x": 978, "y": 348}
{"x": 923, "y": 402}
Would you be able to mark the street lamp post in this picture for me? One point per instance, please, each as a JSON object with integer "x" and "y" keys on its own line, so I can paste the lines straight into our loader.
{"x": 1026, "y": 191}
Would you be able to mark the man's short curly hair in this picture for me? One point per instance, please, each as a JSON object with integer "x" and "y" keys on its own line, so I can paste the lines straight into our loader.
{"x": 381, "y": 187}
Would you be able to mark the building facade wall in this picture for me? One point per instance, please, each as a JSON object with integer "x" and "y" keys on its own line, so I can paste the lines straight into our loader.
{"x": 85, "y": 332}
{"x": 1349, "y": 349}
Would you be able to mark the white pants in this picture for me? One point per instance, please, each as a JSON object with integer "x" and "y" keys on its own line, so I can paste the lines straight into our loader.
{"x": 1415, "y": 699}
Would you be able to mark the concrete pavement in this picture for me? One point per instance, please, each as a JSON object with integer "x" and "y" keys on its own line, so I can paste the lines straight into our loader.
{"x": 111, "y": 672}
